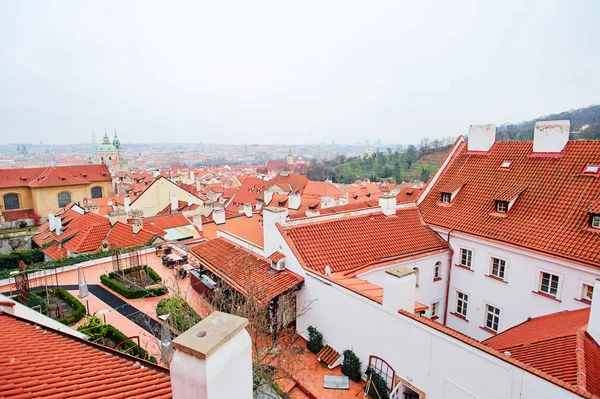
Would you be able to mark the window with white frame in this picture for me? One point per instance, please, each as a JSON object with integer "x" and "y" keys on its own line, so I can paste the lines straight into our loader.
{"x": 462, "y": 301}
{"x": 502, "y": 206}
{"x": 549, "y": 283}
{"x": 498, "y": 268}
{"x": 437, "y": 270}
{"x": 435, "y": 308}
{"x": 595, "y": 221}
{"x": 446, "y": 198}
{"x": 588, "y": 292}
{"x": 466, "y": 257}
{"x": 492, "y": 317}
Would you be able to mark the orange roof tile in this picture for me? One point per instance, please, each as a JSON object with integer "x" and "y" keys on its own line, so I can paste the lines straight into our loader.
{"x": 276, "y": 256}
{"x": 250, "y": 189}
{"x": 244, "y": 228}
{"x": 88, "y": 239}
{"x": 121, "y": 235}
{"x": 243, "y": 270}
{"x": 164, "y": 222}
{"x": 551, "y": 212}
{"x": 38, "y": 362}
{"x": 350, "y": 242}
{"x": 553, "y": 344}
{"x": 55, "y": 253}
{"x": 54, "y": 176}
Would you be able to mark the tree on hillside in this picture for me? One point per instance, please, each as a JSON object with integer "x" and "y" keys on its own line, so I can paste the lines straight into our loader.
{"x": 411, "y": 155}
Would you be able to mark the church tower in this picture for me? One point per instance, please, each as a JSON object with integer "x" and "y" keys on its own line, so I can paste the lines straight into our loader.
{"x": 290, "y": 158}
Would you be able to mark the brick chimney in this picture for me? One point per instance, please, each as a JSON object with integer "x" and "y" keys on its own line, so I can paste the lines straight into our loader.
{"x": 399, "y": 289}
{"x": 551, "y": 136}
{"x": 481, "y": 137}
{"x": 594, "y": 322}
{"x": 137, "y": 216}
{"x": 387, "y": 202}
{"x": 213, "y": 360}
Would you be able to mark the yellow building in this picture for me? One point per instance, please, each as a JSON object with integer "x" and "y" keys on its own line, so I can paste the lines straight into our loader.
{"x": 44, "y": 190}
{"x": 158, "y": 195}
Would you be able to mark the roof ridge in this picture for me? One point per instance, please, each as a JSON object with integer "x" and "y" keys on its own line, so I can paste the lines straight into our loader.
{"x": 580, "y": 374}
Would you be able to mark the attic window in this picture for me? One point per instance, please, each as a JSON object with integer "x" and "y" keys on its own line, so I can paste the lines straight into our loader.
{"x": 595, "y": 221}
{"x": 501, "y": 206}
{"x": 505, "y": 164}
{"x": 446, "y": 198}
{"x": 591, "y": 169}
{"x": 23, "y": 178}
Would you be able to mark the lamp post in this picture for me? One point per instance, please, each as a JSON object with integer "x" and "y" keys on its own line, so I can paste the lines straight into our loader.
{"x": 103, "y": 313}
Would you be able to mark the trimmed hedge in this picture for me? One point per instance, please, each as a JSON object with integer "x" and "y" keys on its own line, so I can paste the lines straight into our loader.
{"x": 378, "y": 389}
{"x": 182, "y": 315}
{"x": 29, "y": 256}
{"x": 150, "y": 271}
{"x": 315, "y": 340}
{"x": 79, "y": 311}
{"x": 351, "y": 366}
{"x": 128, "y": 293}
{"x": 95, "y": 329}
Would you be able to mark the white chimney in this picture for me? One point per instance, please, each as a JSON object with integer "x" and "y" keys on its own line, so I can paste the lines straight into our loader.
{"x": 327, "y": 202}
{"x": 268, "y": 196}
{"x": 198, "y": 185}
{"x": 294, "y": 201}
{"x": 218, "y": 215}
{"x": 312, "y": 213}
{"x": 155, "y": 174}
{"x": 551, "y": 136}
{"x": 271, "y": 216}
{"x": 594, "y": 322}
{"x": 209, "y": 355}
{"x": 190, "y": 200}
{"x": 343, "y": 200}
{"x": 51, "y": 222}
{"x": 197, "y": 220}
{"x": 399, "y": 289}
{"x": 126, "y": 203}
{"x": 174, "y": 202}
{"x": 58, "y": 224}
{"x": 387, "y": 202}
{"x": 248, "y": 209}
{"x": 109, "y": 202}
{"x": 192, "y": 177}
{"x": 481, "y": 137}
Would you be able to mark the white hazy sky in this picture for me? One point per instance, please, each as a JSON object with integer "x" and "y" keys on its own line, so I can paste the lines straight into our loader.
{"x": 289, "y": 72}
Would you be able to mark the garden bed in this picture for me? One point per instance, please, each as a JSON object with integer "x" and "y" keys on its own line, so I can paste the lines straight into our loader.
{"x": 182, "y": 315}
{"x": 138, "y": 282}
{"x": 58, "y": 304}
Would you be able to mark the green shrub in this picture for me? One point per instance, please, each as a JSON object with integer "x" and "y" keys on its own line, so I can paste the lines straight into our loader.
{"x": 378, "y": 388}
{"x": 78, "y": 308}
{"x": 315, "y": 340}
{"x": 182, "y": 315}
{"x": 131, "y": 293}
{"x": 351, "y": 366}
{"x": 22, "y": 224}
{"x": 36, "y": 300}
{"x": 96, "y": 330}
{"x": 29, "y": 256}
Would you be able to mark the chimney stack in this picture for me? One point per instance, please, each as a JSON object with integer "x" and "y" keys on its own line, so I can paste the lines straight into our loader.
{"x": 58, "y": 224}
{"x": 197, "y": 220}
{"x": 174, "y": 203}
{"x": 51, "y": 222}
{"x": 213, "y": 360}
{"x": 268, "y": 194}
{"x": 126, "y": 203}
{"x": 248, "y": 210}
{"x": 190, "y": 200}
{"x": 399, "y": 289}
{"x": 155, "y": 174}
{"x": 327, "y": 202}
{"x": 218, "y": 215}
{"x": 550, "y": 137}
{"x": 594, "y": 322}
{"x": 294, "y": 201}
{"x": 198, "y": 185}
{"x": 481, "y": 137}
{"x": 137, "y": 220}
{"x": 387, "y": 202}
{"x": 271, "y": 216}
{"x": 192, "y": 180}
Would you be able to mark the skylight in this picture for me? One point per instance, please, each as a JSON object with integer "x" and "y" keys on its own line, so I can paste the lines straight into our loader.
{"x": 592, "y": 169}
{"x": 506, "y": 164}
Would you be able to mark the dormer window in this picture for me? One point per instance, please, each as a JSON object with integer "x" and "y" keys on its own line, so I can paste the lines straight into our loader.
{"x": 595, "y": 221}
{"x": 501, "y": 206}
{"x": 591, "y": 170}
{"x": 446, "y": 198}
{"x": 506, "y": 164}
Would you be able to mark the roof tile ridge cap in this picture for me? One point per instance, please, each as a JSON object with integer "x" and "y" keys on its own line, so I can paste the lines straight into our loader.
{"x": 580, "y": 374}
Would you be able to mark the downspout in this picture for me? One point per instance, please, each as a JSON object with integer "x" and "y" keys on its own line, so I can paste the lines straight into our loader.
{"x": 448, "y": 278}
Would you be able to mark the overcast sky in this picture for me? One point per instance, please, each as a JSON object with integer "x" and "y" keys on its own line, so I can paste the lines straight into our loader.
{"x": 277, "y": 72}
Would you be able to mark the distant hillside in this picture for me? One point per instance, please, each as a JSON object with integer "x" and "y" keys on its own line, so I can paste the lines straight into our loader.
{"x": 585, "y": 124}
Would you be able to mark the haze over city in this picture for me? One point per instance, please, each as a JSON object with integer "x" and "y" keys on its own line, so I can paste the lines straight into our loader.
{"x": 275, "y": 73}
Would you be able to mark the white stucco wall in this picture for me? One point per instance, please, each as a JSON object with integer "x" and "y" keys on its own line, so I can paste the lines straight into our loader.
{"x": 514, "y": 297}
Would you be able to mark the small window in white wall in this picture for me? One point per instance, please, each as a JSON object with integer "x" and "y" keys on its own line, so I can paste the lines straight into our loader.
{"x": 416, "y": 269}
{"x": 435, "y": 309}
{"x": 588, "y": 292}
{"x": 466, "y": 257}
{"x": 462, "y": 301}
{"x": 437, "y": 271}
{"x": 498, "y": 268}
{"x": 492, "y": 317}
{"x": 549, "y": 283}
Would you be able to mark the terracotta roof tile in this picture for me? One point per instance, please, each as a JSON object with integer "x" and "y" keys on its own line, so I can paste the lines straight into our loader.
{"x": 54, "y": 176}
{"x": 244, "y": 270}
{"x": 245, "y": 228}
{"x": 551, "y": 213}
{"x": 48, "y": 364}
{"x": 121, "y": 235}
{"x": 55, "y": 253}
{"x": 276, "y": 256}
{"x": 164, "y": 222}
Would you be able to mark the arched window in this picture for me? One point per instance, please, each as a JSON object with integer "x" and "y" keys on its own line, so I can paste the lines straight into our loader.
{"x": 437, "y": 271}
{"x": 11, "y": 201}
{"x": 63, "y": 199}
{"x": 416, "y": 269}
{"x": 96, "y": 192}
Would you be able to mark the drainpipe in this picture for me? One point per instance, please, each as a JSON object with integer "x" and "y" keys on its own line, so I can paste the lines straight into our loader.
{"x": 448, "y": 278}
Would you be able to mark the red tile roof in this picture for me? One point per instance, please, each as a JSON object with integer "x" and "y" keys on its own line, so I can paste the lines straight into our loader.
{"x": 355, "y": 206}
{"x": 276, "y": 256}
{"x": 353, "y": 241}
{"x": 408, "y": 194}
{"x": 551, "y": 212}
{"x": 55, "y": 253}
{"x": 121, "y": 235}
{"x": 243, "y": 270}
{"x": 38, "y": 362}
{"x": 248, "y": 192}
{"x": 182, "y": 206}
{"x": 54, "y": 176}
{"x": 556, "y": 344}
{"x": 296, "y": 183}
{"x": 164, "y": 222}
{"x": 89, "y": 239}
{"x": 245, "y": 228}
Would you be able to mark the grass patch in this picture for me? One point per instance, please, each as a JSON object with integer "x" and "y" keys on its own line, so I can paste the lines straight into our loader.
{"x": 182, "y": 315}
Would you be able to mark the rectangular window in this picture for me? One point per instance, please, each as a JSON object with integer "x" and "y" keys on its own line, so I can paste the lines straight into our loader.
{"x": 462, "y": 300}
{"x": 492, "y": 317}
{"x": 588, "y": 292}
{"x": 436, "y": 270}
{"x": 446, "y": 198}
{"x": 595, "y": 222}
{"x": 435, "y": 309}
{"x": 501, "y": 206}
{"x": 498, "y": 268}
{"x": 466, "y": 257}
{"x": 549, "y": 284}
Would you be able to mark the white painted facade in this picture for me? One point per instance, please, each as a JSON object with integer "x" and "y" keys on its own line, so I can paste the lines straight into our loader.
{"x": 515, "y": 295}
